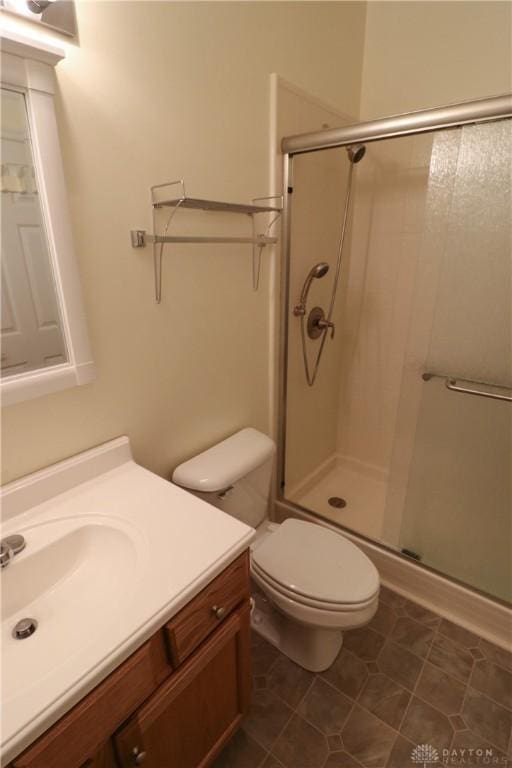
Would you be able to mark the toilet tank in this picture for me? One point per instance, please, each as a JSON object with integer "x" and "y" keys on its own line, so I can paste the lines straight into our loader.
{"x": 234, "y": 475}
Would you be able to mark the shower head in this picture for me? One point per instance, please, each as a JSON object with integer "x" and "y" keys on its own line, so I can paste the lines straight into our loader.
{"x": 356, "y": 152}
{"x": 319, "y": 270}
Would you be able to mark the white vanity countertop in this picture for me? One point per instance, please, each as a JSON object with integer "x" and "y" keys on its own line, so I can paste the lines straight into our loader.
{"x": 125, "y": 551}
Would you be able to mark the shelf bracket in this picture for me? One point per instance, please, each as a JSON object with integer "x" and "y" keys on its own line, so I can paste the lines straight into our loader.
{"x": 140, "y": 238}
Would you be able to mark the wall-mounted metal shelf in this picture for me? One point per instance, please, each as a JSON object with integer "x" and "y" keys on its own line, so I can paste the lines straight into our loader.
{"x": 140, "y": 238}
{"x": 197, "y": 203}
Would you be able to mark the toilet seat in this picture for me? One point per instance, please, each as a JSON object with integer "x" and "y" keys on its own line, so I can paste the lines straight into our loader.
{"x": 331, "y": 607}
{"x": 316, "y": 567}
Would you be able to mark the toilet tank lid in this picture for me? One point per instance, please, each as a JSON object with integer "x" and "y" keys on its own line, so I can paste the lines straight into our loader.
{"x": 225, "y": 463}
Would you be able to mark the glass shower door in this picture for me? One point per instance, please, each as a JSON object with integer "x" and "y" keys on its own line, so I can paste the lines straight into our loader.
{"x": 451, "y": 479}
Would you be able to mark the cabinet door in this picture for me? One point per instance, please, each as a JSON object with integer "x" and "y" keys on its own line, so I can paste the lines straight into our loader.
{"x": 104, "y": 758}
{"x": 80, "y": 735}
{"x": 188, "y": 720}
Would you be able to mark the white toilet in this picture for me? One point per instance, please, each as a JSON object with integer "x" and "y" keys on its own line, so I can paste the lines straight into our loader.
{"x": 316, "y": 582}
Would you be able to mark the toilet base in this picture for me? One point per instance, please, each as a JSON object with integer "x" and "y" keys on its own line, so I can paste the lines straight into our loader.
{"x": 313, "y": 648}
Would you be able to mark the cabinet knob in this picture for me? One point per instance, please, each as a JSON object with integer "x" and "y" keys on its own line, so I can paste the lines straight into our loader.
{"x": 138, "y": 756}
{"x": 219, "y": 611}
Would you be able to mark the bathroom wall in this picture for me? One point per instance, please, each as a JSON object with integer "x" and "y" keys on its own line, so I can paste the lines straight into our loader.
{"x": 157, "y": 91}
{"x": 423, "y": 54}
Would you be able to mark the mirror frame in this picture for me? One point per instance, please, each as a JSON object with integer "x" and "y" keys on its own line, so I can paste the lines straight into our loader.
{"x": 28, "y": 66}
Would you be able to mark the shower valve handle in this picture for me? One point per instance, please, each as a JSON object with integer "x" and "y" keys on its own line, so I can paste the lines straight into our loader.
{"x": 324, "y": 324}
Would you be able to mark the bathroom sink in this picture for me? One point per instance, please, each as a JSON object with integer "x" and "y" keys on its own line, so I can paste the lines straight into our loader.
{"x": 66, "y": 558}
{"x": 73, "y": 578}
{"x": 112, "y": 553}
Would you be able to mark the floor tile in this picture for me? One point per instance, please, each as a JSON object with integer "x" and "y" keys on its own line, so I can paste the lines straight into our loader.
{"x": 341, "y": 760}
{"x": 414, "y": 636}
{"x": 301, "y": 745}
{"x": 458, "y": 723}
{"x": 468, "y": 740}
{"x": 263, "y": 654}
{"x": 425, "y": 725}
{"x": 393, "y": 599}
{"x": 267, "y": 717}
{"x": 495, "y": 654}
{"x": 272, "y": 762}
{"x": 439, "y": 689}
{"x": 486, "y": 719}
{"x": 401, "y": 754}
{"x": 451, "y": 658}
{"x": 260, "y": 681}
{"x": 289, "y": 681}
{"x": 325, "y": 707}
{"x": 495, "y": 682}
{"x": 400, "y": 665}
{"x": 241, "y": 752}
{"x": 458, "y": 634}
{"x": 334, "y": 743}
{"x": 421, "y": 614}
{"x": 476, "y": 653}
{"x": 348, "y": 673}
{"x": 364, "y": 642}
{"x": 368, "y": 739}
{"x": 384, "y": 619}
{"x": 385, "y": 698}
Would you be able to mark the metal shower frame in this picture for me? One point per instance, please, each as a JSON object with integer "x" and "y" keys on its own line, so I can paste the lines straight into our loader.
{"x": 423, "y": 121}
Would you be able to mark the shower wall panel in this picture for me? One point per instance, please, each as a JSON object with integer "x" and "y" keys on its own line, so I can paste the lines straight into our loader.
{"x": 319, "y": 184}
{"x": 388, "y": 217}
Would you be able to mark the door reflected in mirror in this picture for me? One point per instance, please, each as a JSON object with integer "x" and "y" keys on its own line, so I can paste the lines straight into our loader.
{"x": 31, "y": 332}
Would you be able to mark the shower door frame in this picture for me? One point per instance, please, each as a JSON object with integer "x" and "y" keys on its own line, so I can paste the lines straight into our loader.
{"x": 423, "y": 121}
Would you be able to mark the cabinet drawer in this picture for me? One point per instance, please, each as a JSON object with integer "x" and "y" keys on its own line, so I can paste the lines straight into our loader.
{"x": 75, "y": 739}
{"x": 208, "y": 609}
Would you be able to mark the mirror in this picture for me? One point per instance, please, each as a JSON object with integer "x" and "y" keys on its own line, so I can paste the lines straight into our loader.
{"x": 31, "y": 331}
{"x": 45, "y": 343}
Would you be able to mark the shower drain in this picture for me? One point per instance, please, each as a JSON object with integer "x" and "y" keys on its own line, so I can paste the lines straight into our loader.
{"x": 338, "y": 502}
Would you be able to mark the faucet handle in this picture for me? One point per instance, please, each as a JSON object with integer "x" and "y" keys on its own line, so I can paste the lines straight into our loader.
{"x": 6, "y": 554}
{"x": 9, "y": 547}
{"x": 325, "y": 324}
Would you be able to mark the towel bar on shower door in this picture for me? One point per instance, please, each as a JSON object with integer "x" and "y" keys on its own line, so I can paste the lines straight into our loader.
{"x": 450, "y": 383}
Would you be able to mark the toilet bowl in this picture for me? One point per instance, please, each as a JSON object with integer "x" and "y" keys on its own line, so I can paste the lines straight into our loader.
{"x": 315, "y": 582}
{"x": 320, "y": 583}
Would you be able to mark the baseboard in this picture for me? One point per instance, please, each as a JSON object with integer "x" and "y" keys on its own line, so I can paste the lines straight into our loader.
{"x": 487, "y": 618}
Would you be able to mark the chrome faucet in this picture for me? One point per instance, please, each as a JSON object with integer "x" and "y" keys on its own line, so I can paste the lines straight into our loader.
{"x": 10, "y": 547}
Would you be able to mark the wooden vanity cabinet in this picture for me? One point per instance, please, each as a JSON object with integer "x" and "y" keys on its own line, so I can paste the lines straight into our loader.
{"x": 175, "y": 702}
{"x": 188, "y": 720}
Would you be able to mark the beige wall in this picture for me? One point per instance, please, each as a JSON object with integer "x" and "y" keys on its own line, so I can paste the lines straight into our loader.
{"x": 423, "y": 54}
{"x": 158, "y": 91}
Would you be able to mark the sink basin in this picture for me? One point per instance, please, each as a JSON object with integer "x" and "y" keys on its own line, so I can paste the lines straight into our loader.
{"x": 73, "y": 577}
{"x": 71, "y": 562}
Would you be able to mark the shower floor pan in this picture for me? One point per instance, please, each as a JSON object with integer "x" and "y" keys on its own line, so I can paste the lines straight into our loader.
{"x": 363, "y": 490}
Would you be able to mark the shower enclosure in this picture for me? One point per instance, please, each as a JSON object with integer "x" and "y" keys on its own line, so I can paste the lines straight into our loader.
{"x": 398, "y": 426}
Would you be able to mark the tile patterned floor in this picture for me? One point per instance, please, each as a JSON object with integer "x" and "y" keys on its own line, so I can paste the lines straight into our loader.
{"x": 409, "y": 678}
